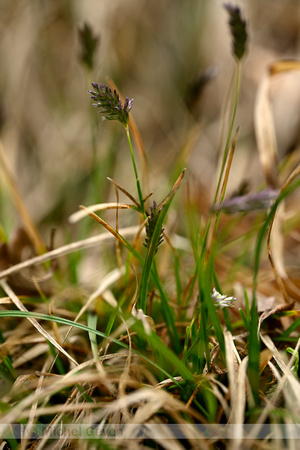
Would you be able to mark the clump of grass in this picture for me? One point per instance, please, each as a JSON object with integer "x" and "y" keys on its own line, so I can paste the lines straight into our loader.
{"x": 154, "y": 355}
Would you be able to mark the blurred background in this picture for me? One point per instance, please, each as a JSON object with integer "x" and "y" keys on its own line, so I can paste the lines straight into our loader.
{"x": 173, "y": 57}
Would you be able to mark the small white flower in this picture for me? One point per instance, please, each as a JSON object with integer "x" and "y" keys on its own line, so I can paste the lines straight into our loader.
{"x": 147, "y": 321}
{"x": 221, "y": 300}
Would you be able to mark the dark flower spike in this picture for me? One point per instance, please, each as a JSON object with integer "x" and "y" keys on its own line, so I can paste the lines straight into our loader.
{"x": 152, "y": 221}
{"x": 238, "y": 30}
{"x": 110, "y": 105}
{"x": 89, "y": 44}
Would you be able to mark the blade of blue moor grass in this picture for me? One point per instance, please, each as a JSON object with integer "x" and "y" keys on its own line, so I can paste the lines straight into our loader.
{"x": 167, "y": 312}
{"x": 166, "y": 355}
{"x": 152, "y": 246}
{"x": 181, "y": 368}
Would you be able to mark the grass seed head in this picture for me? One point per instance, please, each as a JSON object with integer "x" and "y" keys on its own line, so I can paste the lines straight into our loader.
{"x": 238, "y": 30}
{"x": 110, "y": 105}
{"x": 89, "y": 44}
{"x": 152, "y": 221}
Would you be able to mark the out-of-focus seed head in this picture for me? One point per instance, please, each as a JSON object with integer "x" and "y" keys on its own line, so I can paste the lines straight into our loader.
{"x": 89, "y": 43}
{"x": 238, "y": 30}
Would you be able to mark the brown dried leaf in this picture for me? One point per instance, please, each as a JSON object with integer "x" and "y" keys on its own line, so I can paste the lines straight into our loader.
{"x": 265, "y": 356}
{"x": 292, "y": 287}
{"x": 278, "y": 308}
{"x": 265, "y": 132}
{"x": 284, "y": 66}
{"x": 264, "y": 121}
{"x": 268, "y": 152}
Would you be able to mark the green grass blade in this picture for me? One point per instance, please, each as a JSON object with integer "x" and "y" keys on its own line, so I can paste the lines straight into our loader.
{"x": 167, "y": 312}
{"x": 203, "y": 343}
{"x": 142, "y": 301}
{"x": 244, "y": 319}
{"x": 254, "y": 352}
{"x": 167, "y": 355}
{"x": 206, "y": 287}
{"x": 285, "y": 335}
{"x": 63, "y": 321}
{"x": 92, "y": 323}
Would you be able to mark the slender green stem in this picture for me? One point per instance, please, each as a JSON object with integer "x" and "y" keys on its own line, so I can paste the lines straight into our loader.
{"x": 231, "y": 125}
{"x": 227, "y": 147}
{"x": 138, "y": 185}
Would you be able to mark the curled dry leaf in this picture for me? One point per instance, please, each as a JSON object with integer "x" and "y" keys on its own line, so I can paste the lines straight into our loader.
{"x": 268, "y": 153}
{"x": 264, "y": 120}
{"x": 265, "y": 132}
{"x": 278, "y": 308}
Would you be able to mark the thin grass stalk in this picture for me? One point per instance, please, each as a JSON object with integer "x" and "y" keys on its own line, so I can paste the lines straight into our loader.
{"x": 230, "y": 130}
{"x": 208, "y": 237}
{"x": 211, "y": 305}
{"x": 203, "y": 352}
{"x": 138, "y": 185}
{"x": 138, "y": 141}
